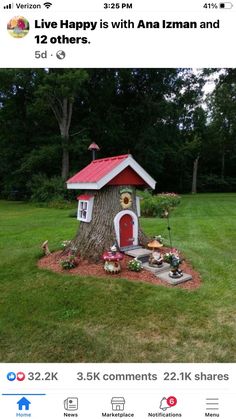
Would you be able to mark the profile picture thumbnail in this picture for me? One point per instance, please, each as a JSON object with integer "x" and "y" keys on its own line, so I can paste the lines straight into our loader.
{"x": 18, "y": 27}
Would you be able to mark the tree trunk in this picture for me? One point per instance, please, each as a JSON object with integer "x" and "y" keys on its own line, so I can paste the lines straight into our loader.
{"x": 98, "y": 235}
{"x": 65, "y": 159}
{"x": 194, "y": 180}
{"x": 63, "y": 113}
{"x": 223, "y": 165}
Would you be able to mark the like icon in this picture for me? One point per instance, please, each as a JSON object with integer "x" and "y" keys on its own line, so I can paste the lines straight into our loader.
{"x": 11, "y": 376}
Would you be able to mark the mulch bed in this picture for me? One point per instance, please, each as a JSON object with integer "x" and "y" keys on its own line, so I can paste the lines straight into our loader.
{"x": 85, "y": 268}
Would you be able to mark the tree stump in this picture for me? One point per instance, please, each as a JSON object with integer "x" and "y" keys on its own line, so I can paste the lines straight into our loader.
{"x": 93, "y": 238}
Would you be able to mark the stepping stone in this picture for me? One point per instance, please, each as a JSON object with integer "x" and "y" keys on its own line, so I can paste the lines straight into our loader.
{"x": 174, "y": 281}
{"x": 144, "y": 258}
{"x": 127, "y": 248}
{"x": 138, "y": 253}
{"x": 156, "y": 270}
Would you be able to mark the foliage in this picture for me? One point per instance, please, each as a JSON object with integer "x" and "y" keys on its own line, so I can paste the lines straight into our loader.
{"x": 135, "y": 265}
{"x": 215, "y": 183}
{"x": 65, "y": 243}
{"x": 51, "y": 191}
{"x": 58, "y": 91}
{"x": 69, "y": 262}
{"x": 159, "y": 238}
{"x": 156, "y": 205}
{"x": 44, "y": 189}
{"x": 49, "y": 117}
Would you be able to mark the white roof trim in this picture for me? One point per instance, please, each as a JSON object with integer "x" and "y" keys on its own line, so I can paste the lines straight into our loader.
{"x": 82, "y": 186}
{"x": 129, "y": 161}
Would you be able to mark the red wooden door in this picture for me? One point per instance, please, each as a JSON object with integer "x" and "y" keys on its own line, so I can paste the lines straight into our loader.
{"x": 126, "y": 231}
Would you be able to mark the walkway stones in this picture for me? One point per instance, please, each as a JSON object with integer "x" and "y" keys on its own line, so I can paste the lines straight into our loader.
{"x": 174, "y": 281}
{"x": 156, "y": 271}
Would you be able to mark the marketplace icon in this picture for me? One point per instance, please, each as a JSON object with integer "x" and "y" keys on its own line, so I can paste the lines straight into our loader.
{"x": 18, "y": 27}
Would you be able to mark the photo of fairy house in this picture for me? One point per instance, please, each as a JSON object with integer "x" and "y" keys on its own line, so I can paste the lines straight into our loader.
{"x": 108, "y": 207}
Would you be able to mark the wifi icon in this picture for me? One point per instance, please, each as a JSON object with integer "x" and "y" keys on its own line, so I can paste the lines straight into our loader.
{"x": 47, "y": 4}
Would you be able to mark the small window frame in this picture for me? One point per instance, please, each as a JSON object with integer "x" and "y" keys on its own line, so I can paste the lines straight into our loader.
{"x": 85, "y": 209}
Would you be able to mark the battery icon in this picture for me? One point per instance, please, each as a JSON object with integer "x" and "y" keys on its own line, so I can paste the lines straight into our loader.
{"x": 226, "y": 5}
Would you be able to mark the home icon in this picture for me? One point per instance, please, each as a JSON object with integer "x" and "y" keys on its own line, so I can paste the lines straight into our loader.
{"x": 118, "y": 403}
{"x": 23, "y": 403}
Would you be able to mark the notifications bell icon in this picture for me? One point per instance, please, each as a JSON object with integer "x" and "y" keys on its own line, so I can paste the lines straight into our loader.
{"x": 166, "y": 403}
{"x": 163, "y": 404}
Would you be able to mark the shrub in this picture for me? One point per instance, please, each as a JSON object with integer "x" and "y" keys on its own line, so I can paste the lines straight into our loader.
{"x": 135, "y": 265}
{"x": 156, "y": 205}
{"x": 69, "y": 262}
{"x": 50, "y": 190}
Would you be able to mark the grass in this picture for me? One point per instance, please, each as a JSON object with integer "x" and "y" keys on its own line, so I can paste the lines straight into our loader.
{"x": 47, "y": 317}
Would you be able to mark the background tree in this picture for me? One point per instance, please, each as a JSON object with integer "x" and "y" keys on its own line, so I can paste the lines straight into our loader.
{"x": 161, "y": 116}
{"x": 223, "y": 107}
{"x": 59, "y": 89}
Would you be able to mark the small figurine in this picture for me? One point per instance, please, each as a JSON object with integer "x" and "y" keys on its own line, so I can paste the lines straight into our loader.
{"x": 174, "y": 260}
{"x": 46, "y": 248}
{"x": 113, "y": 249}
{"x": 155, "y": 259}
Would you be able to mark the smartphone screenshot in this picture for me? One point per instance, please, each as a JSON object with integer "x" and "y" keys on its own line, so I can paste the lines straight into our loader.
{"x": 117, "y": 209}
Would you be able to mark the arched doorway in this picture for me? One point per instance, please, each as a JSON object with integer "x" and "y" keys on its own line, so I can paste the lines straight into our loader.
{"x": 126, "y": 228}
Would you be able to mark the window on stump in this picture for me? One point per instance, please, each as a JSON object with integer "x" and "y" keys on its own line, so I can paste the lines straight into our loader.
{"x": 85, "y": 207}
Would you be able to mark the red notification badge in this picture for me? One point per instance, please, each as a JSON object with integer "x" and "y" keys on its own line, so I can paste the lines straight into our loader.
{"x": 171, "y": 401}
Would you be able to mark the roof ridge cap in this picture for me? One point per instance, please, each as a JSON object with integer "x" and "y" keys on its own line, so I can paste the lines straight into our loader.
{"x": 112, "y": 158}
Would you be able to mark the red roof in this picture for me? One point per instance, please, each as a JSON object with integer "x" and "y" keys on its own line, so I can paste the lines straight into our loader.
{"x": 118, "y": 170}
{"x": 84, "y": 197}
{"x": 97, "y": 169}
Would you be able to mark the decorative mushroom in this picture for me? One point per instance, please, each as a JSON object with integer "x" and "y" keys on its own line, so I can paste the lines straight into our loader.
{"x": 155, "y": 258}
{"x": 112, "y": 260}
{"x": 155, "y": 244}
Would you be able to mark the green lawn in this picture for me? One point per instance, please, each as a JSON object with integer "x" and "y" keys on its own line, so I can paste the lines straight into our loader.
{"x": 47, "y": 317}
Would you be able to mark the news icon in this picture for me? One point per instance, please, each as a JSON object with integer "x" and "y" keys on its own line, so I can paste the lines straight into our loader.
{"x": 71, "y": 403}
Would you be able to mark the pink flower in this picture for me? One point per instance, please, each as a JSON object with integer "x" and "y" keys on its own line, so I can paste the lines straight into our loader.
{"x": 21, "y": 24}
